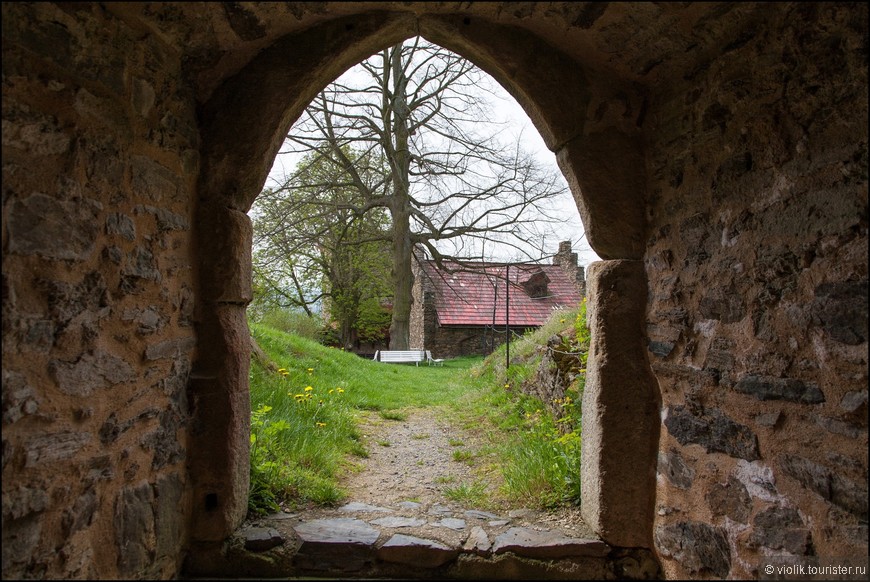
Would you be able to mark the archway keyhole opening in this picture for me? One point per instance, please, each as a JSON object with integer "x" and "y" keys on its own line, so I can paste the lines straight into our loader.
{"x": 333, "y": 144}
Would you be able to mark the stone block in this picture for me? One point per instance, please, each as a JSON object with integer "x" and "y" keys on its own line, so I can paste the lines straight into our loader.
{"x": 789, "y": 389}
{"x": 478, "y": 542}
{"x": 91, "y": 372}
{"x": 672, "y": 466}
{"x": 19, "y": 398}
{"x": 152, "y": 181}
{"x": 608, "y": 168}
{"x": 81, "y": 514}
{"x": 22, "y": 501}
{"x": 48, "y": 448}
{"x": 840, "y": 427}
{"x": 698, "y": 547}
{"x": 53, "y": 228}
{"x": 141, "y": 264}
{"x": 260, "y": 539}
{"x": 226, "y": 244}
{"x": 731, "y": 500}
{"x": 854, "y": 403}
{"x": 120, "y": 224}
{"x": 713, "y": 430}
{"x": 173, "y": 348}
{"x": 134, "y": 529}
{"x": 620, "y": 421}
{"x": 841, "y": 310}
{"x": 781, "y": 528}
{"x": 758, "y": 479}
{"x": 417, "y": 552}
{"x": 21, "y": 539}
{"x": 163, "y": 442}
{"x": 723, "y": 304}
{"x": 40, "y": 138}
{"x": 546, "y": 545}
{"x": 845, "y": 493}
{"x": 166, "y": 219}
{"x": 340, "y": 544}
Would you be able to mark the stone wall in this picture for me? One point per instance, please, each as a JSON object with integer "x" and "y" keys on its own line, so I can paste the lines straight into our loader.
{"x": 100, "y": 147}
{"x": 757, "y": 321}
{"x": 719, "y": 162}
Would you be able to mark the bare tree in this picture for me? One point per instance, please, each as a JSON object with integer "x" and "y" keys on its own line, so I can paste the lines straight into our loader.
{"x": 417, "y": 117}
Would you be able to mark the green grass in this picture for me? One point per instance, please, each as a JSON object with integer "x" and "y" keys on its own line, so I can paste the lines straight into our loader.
{"x": 304, "y": 420}
{"x": 393, "y": 415}
{"x": 304, "y": 417}
{"x": 534, "y": 452}
{"x": 463, "y": 456}
{"x": 473, "y": 495}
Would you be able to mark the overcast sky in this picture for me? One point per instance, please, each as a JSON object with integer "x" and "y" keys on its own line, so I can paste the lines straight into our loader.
{"x": 506, "y": 109}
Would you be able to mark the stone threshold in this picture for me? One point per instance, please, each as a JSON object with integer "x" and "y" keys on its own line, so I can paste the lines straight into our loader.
{"x": 413, "y": 541}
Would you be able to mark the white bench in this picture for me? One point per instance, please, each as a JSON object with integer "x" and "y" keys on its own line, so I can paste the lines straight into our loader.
{"x": 430, "y": 360}
{"x": 400, "y": 356}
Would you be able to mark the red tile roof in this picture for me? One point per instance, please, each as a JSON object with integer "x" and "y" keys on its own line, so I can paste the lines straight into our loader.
{"x": 478, "y": 297}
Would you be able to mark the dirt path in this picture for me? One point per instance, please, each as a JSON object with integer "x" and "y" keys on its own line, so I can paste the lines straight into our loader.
{"x": 413, "y": 460}
{"x": 410, "y": 460}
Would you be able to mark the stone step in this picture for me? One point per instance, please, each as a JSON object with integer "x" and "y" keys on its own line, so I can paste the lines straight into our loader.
{"x": 410, "y": 540}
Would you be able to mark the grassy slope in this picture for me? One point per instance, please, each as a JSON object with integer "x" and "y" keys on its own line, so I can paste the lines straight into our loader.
{"x": 303, "y": 424}
{"x": 303, "y": 416}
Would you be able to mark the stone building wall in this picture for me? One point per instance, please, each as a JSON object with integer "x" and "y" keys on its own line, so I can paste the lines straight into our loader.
{"x": 100, "y": 147}
{"x": 757, "y": 318}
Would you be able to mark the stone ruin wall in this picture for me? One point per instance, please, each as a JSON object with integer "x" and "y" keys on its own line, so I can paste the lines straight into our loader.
{"x": 100, "y": 155}
{"x": 757, "y": 168}
{"x": 757, "y": 317}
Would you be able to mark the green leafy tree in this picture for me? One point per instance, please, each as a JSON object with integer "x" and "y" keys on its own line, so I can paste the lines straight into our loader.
{"x": 312, "y": 249}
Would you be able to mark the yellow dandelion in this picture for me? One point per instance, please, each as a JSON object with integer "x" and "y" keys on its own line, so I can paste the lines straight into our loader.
{"x": 340, "y": 390}
{"x": 330, "y": 391}
{"x": 319, "y": 424}
{"x": 308, "y": 388}
{"x": 282, "y": 370}
{"x": 310, "y": 370}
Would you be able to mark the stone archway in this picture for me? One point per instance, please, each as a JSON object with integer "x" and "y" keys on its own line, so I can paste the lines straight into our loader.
{"x": 242, "y": 127}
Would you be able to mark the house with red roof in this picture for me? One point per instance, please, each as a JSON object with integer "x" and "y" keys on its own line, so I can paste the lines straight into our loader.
{"x": 468, "y": 309}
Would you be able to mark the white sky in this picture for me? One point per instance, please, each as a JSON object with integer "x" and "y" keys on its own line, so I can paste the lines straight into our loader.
{"x": 506, "y": 109}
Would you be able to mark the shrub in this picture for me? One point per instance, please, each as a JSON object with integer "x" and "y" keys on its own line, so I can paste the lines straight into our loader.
{"x": 294, "y": 322}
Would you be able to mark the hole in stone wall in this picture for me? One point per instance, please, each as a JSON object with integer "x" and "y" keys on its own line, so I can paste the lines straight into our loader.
{"x": 211, "y": 501}
{"x": 276, "y": 278}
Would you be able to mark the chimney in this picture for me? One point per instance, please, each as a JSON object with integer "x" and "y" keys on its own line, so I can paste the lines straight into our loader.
{"x": 568, "y": 261}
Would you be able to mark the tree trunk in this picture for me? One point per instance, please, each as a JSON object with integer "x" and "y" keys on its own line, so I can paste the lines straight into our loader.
{"x": 403, "y": 282}
{"x": 400, "y": 208}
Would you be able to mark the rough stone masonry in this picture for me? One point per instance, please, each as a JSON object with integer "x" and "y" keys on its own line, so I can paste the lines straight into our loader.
{"x": 717, "y": 153}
